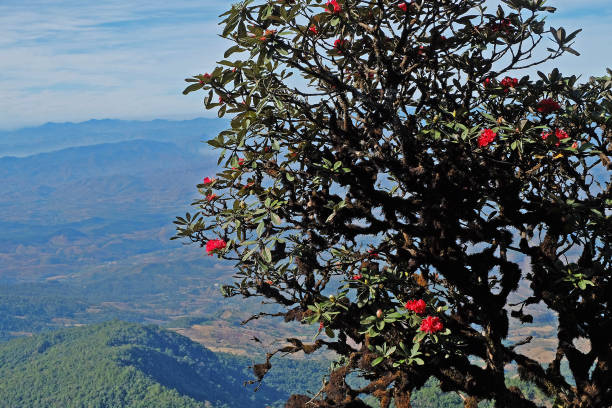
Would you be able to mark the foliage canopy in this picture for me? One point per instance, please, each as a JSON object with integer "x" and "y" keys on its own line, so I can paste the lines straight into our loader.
{"x": 381, "y": 154}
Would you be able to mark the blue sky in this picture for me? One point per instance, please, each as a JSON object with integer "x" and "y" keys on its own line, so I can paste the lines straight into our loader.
{"x": 74, "y": 60}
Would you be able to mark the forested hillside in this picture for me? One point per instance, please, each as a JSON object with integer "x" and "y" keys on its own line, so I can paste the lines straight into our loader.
{"x": 117, "y": 364}
{"x": 125, "y": 365}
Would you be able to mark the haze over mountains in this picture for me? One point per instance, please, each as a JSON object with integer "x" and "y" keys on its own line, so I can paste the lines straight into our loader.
{"x": 86, "y": 214}
{"x": 56, "y": 136}
{"x": 90, "y": 225}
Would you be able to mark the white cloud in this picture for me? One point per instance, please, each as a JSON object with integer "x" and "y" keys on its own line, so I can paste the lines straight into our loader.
{"x": 75, "y": 59}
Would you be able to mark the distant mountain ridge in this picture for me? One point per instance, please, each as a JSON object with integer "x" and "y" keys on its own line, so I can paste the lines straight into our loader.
{"x": 56, "y": 136}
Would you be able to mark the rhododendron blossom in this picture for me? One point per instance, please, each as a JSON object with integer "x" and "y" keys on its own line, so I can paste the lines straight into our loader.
{"x": 431, "y": 324}
{"x": 333, "y": 7}
{"x": 313, "y": 29}
{"x": 208, "y": 180}
{"x": 487, "y": 82}
{"x": 211, "y": 197}
{"x": 486, "y": 137}
{"x": 213, "y": 245}
{"x": 339, "y": 43}
{"x": 240, "y": 163}
{"x": 403, "y": 6}
{"x": 560, "y": 134}
{"x": 547, "y": 106}
{"x": 356, "y": 277}
{"x": 509, "y": 82}
{"x": 417, "y": 306}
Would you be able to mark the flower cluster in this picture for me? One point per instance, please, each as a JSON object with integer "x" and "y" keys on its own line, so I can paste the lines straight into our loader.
{"x": 431, "y": 324}
{"x": 486, "y": 137}
{"x": 267, "y": 35}
{"x": 339, "y": 44}
{"x": 333, "y": 7}
{"x": 417, "y": 306}
{"x": 560, "y": 134}
{"x": 211, "y": 197}
{"x": 547, "y": 106}
{"x": 504, "y": 25}
{"x": 208, "y": 180}
{"x": 313, "y": 29}
{"x": 240, "y": 163}
{"x": 508, "y": 83}
{"x": 403, "y": 6}
{"x": 213, "y": 245}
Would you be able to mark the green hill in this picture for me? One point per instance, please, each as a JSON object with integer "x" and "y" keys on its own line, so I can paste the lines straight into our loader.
{"x": 117, "y": 364}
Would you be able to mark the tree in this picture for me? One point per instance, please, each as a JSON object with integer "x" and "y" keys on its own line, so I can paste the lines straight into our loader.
{"x": 385, "y": 177}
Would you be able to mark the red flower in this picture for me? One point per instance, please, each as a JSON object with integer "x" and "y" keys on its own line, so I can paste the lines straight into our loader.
{"x": 206, "y": 76}
{"x": 211, "y": 197}
{"x": 487, "y": 82}
{"x": 333, "y": 7}
{"x": 213, "y": 245}
{"x": 403, "y": 6}
{"x": 417, "y": 306}
{"x": 221, "y": 99}
{"x": 313, "y": 29}
{"x": 431, "y": 324}
{"x": 208, "y": 180}
{"x": 575, "y": 145}
{"x": 486, "y": 137}
{"x": 508, "y": 82}
{"x": 240, "y": 163}
{"x": 547, "y": 106}
{"x": 560, "y": 134}
{"x": 339, "y": 44}
{"x": 503, "y": 25}
{"x": 357, "y": 277}
{"x": 321, "y": 326}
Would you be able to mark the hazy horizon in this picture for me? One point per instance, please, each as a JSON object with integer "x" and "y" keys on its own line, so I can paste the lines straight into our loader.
{"x": 69, "y": 61}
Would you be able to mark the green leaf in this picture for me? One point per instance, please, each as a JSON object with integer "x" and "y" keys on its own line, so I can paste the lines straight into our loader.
{"x": 260, "y": 228}
{"x": 275, "y": 219}
{"x": 192, "y": 87}
{"x": 377, "y": 361}
{"x": 267, "y": 255}
{"x": 231, "y": 50}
